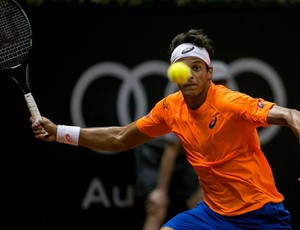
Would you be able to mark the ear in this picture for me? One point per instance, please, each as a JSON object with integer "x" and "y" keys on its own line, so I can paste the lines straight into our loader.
{"x": 209, "y": 72}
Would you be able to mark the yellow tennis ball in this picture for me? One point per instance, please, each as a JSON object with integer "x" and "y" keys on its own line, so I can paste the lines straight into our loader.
{"x": 179, "y": 72}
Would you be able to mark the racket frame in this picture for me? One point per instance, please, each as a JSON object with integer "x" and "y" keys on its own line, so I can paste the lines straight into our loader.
{"x": 22, "y": 61}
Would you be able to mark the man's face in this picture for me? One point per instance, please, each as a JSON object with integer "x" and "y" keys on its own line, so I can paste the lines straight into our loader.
{"x": 198, "y": 82}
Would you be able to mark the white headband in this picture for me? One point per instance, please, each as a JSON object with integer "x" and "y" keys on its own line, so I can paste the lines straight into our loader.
{"x": 190, "y": 50}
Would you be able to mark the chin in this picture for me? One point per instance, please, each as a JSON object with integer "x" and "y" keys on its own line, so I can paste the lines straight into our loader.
{"x": 189, "y": 93}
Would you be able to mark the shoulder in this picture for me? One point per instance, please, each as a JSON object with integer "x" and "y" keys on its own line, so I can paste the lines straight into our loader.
{"x": 235, "y": 103}
{"x": 223, "y": 96}
{"x": 174, "y": 99}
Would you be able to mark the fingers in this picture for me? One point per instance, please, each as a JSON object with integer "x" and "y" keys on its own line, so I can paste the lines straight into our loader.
{"x": 37, "y": 129}
{"x": 37, "y": 122}
{"x": 41, "y": 134}
{"x": 34, "y": 121}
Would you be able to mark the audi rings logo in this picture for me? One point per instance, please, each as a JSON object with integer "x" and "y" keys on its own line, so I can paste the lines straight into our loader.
{"x": 131, "y": 87}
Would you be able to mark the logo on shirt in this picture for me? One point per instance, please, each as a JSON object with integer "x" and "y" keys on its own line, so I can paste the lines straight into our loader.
{"x": 212, "y": 123}
{"x": 165, "y": 104}
{"x": 260, "y": 104}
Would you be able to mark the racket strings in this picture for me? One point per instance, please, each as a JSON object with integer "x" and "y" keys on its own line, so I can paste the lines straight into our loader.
{"x": 15, "y": 35}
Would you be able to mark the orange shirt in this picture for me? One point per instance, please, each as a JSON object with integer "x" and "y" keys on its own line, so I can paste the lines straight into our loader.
{"x": 221, "y": 142}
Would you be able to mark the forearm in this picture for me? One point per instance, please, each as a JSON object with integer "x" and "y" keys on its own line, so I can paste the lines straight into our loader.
{"x": 167, "y": 165}
{"x": 105, "y": 138}
{"x": 112, "y": 138}
{"x": 286, "y": 117}
{"x": 294, "y": 122}
{"x": 157, "y": 200}
{"x": 98, "y": 138}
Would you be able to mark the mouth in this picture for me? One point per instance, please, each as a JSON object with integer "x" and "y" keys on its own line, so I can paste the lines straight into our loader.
{"x": 188, "y": 85}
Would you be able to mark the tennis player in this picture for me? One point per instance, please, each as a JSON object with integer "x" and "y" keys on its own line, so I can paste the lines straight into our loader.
{"x": 218, "y": 129}
{"x": 166, "y": 184}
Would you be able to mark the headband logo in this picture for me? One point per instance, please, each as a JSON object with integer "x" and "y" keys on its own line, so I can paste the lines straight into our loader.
{"x": 187, "y": 50}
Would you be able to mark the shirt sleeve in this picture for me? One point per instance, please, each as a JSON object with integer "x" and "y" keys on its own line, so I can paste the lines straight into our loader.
{"x": 243, "y": 108}
{"x": 153, "y": 124}
{"x": 256, "y": 111}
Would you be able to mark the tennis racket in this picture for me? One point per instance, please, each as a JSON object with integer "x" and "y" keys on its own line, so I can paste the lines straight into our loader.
{"x": 15, "y": 46}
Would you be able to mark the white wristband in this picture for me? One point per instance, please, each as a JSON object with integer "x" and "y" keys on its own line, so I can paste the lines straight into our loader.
{"x": 68, "y": 134}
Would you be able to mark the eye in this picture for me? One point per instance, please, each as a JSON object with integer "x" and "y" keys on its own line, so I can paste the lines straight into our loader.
{"x": 196, "y": 68}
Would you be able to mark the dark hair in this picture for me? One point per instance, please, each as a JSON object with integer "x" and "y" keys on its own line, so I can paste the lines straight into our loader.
{"x": 195, "y": 36}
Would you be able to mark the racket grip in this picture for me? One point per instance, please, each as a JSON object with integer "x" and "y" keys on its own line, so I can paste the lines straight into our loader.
{"x": 32, "y": 107}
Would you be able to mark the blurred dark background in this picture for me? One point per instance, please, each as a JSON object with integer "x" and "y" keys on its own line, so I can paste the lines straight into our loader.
{"x": 54, "y": 185}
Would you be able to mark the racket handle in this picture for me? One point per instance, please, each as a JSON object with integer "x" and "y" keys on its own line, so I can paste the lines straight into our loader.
{"x": 32, "y": 107}
{"x": 34, "y": 110}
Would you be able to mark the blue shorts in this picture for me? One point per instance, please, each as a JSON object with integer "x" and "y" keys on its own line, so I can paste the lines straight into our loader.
{"x": 271, "y": 216}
